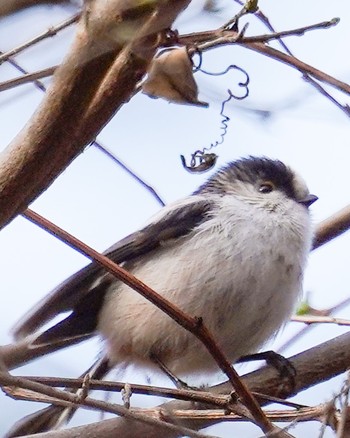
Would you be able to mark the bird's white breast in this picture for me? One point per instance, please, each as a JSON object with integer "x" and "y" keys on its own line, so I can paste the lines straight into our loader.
{"x": 241, "y": 271}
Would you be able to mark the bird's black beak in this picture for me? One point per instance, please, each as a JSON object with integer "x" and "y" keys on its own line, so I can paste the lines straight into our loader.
{"x": 308, "y": 200}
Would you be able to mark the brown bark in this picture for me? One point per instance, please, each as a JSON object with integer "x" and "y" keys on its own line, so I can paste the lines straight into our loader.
{"x": 8, "y": 7}
{"x": 97, "y": 77}
{"x": 313, "y": 366}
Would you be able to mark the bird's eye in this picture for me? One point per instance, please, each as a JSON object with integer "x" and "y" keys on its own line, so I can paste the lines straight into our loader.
{"x": 266, "y": 187}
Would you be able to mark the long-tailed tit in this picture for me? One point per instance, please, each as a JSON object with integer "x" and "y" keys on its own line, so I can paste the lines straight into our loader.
{"x": 232, "y": 253}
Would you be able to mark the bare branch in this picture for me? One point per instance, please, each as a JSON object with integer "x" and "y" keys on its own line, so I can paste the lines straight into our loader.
{"x": 149, "y": 188}
{"x": 314, "y": 319}
{"x": 28, "y": 77}
{"x": 52, "y": 31}
{"x": 266, "y": 380}
{"x": 59, "y": 130}
{"x": 221, "y": 37}
{"x": 221, "y": 401}
{"x": 307, "y": 328}
{"x": 64, "y": 396}
{"x": 264, "y": 19}
{"x": 332, "y": 227}
{"x": 293, "y": 32}
{"x": 8, "y": 7}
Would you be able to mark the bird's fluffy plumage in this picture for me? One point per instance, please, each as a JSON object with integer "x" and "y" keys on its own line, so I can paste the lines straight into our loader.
{"x": 233, "y": 253}
{"x": 229, "y": 253}
{"x": 240, "y": 269}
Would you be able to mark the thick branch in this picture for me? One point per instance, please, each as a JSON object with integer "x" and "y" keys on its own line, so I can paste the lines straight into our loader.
{"x": 58, "y": 131}
{"x": 8, "y": 7}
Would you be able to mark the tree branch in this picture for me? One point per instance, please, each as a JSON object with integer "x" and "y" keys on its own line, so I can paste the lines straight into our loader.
{"x": 52, "y": 31}
{"x": 68, "y": 399}
{"x": 332, "y": 227}
{"x": 96, "y": 78}
{"x": 221, "y": 37}
{"x": 266, "y": 380}
{"x": 8, "y": 7}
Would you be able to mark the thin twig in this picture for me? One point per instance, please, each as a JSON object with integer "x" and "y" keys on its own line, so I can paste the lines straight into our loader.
{"x": 306, "y": 77}
{"x": 315, "y": 413}
{"x": 280, "y": 56}
{"x": 52, "y": 31}
{"x": 62, "y": 397}
{"x": 307, "y": 328}
{"x": 345, "y": 108}
{"x": 202, "y": 396}
{"x": 113, "y": 157}
{"x": 219, "y": 400}
{"x": 33, "y": 77}
{"x": 294, "y": 32}
{"x": 265, "y": 20}
{"x": 219, "y": 37}
{"x": 27, "y": 77}
{"x": 314, "y": 319}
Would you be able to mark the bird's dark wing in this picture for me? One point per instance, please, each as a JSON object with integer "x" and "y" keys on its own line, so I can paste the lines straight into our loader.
{"x": 85, "y": 289}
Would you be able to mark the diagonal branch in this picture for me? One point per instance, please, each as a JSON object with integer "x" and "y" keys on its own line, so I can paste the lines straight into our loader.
{"x": 221, "y": 37}
{"x": 58, "y": 131}
{"x": 8, "y": 7}
{"x": 332, "y": 227}
{"x": 265, "y": 20}
{"x": 27, "y": 77}
{"x": 97, "y": 77}
{"x": 52, "y": 31}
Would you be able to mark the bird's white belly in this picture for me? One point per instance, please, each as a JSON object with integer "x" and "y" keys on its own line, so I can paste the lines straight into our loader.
{"x": 236, "y": 281}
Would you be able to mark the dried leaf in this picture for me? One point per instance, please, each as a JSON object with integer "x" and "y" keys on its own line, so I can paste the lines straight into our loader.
{"x": 171, "y": 77}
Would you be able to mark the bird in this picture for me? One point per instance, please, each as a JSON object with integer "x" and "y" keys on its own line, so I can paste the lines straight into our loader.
{"x": 232, "y": 253}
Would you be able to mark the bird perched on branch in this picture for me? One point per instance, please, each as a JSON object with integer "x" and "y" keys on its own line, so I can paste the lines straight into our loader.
{"x": 233, "y": 253}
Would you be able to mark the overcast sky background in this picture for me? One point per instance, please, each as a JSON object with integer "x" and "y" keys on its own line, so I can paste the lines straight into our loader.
{"x": 99, "y": 203}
